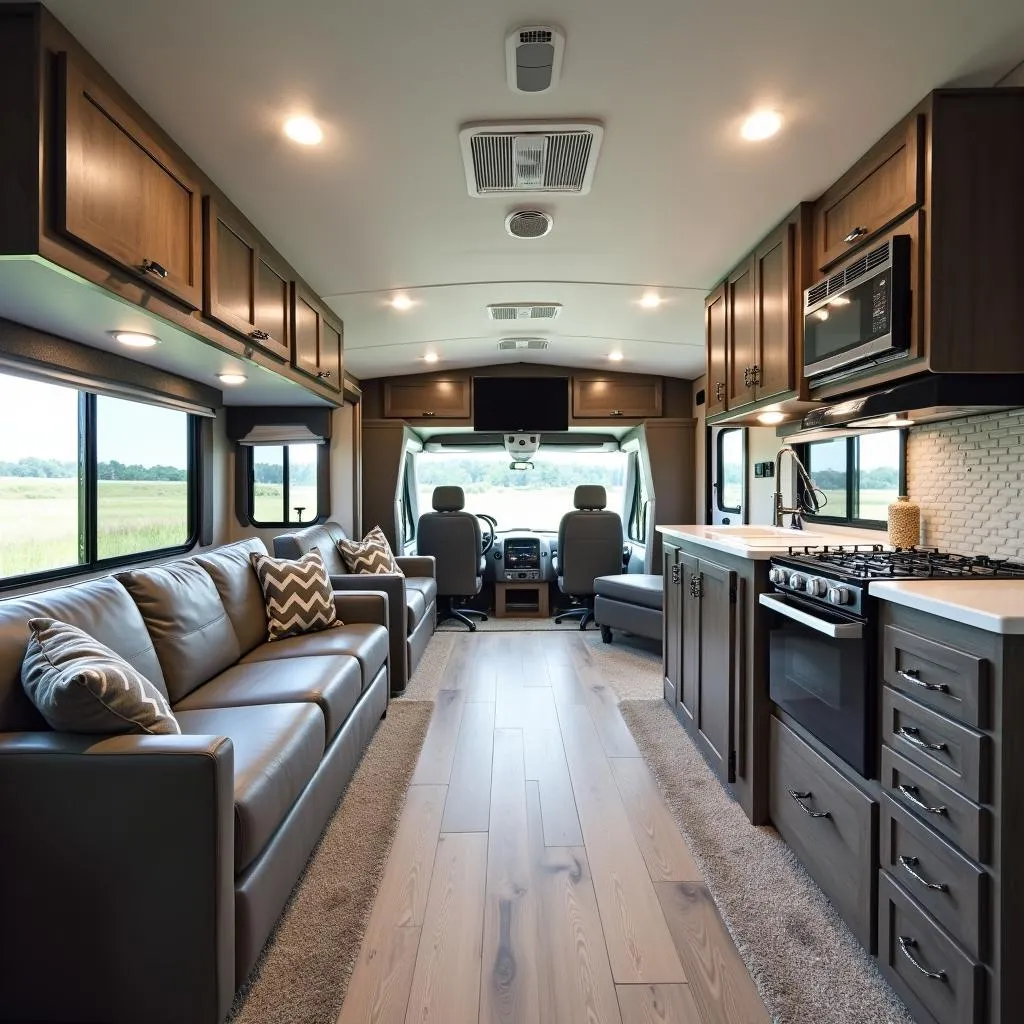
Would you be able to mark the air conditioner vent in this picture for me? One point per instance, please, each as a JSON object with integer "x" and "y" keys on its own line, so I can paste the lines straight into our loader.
{"x": 535, "y": 35}
{"x": 537, "y": 158}
{"x": 533, "y": 58}
{"x": 524, "y": 311}
{"x": 532, "y": 344}
{"x": 528, "y": 224}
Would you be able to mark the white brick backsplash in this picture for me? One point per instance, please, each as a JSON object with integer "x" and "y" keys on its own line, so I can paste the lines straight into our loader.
{"x": 968, "y": 477}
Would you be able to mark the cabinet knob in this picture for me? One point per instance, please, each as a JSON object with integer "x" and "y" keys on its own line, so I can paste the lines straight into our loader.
{"x": 259, "y": 335}
{"x": 154, "y": 268}
{"x": 854, "y": 234}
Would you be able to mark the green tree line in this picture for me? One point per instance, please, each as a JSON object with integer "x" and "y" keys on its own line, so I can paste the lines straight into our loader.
{"x": 884, "y": 478}
{"x": 299, "y": 474}
{"x": 54, "y": 469}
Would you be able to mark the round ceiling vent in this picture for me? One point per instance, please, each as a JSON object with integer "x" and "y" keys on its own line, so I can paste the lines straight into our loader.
{"x": 528, "y": 224}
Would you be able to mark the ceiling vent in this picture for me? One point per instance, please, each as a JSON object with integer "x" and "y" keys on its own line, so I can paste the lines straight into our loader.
{"x": 528, "y": 224}
{"x": 524, "y": 310}
{"x": 532, "y": 344}
{"x": 533, "y": 58}
{"x": 537, "y": 157}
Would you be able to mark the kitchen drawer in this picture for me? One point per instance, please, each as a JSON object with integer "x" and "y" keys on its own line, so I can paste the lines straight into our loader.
{"x": 960, "y": 820}
{"x": 951, "y": 681}
{"x": 831, "y": 827}
{"x": 953, "y": 889}
{"x": 954, "y": 754}
{"x": 918, "y": 957}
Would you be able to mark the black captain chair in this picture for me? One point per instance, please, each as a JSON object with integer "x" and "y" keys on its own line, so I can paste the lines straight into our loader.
{"x": 453, "y": 537}
{"x": 589, "y": 545}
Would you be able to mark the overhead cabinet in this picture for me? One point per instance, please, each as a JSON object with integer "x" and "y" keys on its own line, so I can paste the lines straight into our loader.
{"x": 437, "y": 398}
{"x": 611, "y": 398}
{"x": 318, "y": 334}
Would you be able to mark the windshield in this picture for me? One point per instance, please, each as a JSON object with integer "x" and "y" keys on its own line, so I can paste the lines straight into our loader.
{"x": 532, "y": 499}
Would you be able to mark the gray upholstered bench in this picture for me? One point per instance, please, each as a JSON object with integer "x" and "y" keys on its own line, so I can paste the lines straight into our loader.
{"x": 630, "y": 602}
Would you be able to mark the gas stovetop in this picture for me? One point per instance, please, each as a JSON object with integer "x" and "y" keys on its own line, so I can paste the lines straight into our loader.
{"x": 863, "y": 563}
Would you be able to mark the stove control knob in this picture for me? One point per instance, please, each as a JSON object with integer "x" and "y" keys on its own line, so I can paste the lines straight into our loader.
{"x": 839, "y": 595}
{"x": 778, "y": 575}
{"x": 797, "y": 581}
{"x": 816, "y": 587}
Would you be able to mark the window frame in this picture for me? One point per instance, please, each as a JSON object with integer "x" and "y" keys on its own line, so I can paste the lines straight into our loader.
{"x": 322, "y": 456}
{"x": 719, "y": 455}
{"x": 88, "y": 495}
{"x": 803, "y": 452}
{"x": 639, "y": 511}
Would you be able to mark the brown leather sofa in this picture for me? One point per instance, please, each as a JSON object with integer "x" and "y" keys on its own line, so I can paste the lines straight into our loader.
{"x": 141, "y": 875}
{"x": 412, "y": 600}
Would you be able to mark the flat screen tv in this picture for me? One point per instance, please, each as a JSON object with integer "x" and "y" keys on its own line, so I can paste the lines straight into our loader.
{"x": 520, "y": 405}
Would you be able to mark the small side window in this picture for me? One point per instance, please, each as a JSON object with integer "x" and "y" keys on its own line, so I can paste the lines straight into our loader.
{"x": 730, "y": 470}
{"x": 284, "y": 484}
{"x": 639, "y": 512}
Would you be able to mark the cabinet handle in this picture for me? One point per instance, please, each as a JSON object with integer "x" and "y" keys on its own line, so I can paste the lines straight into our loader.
{"x": 746, "y": 376}
{"x": 154, "y": 268}
{"x": 696, "y": 587}
{"x": 615, "y": 412}
{"x": 912, "y": 675}
{"x": 913, "y": 735}
{"x": 800, "y": 798}
{"x": 323, "y": 374}
{"x": 428, "y": 414}
{"x": 719, "y": 391}
{"x": 909, "y": 864}
{"x": 913, "y": 794}
{"x": 854, "y": 234}
{"x": 675, "y": 575}
{"x": 906, "y": 945}
{"x": 755, "y": 375}
{"x": 259, "y": 335}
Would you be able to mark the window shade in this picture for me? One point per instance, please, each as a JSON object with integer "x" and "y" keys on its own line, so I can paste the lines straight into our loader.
{"x": 283, "y": 433}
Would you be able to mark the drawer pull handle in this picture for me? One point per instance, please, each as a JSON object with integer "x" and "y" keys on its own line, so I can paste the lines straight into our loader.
{"x": 909, "y": 864}
{"x": 913, "y": 735}
{"x": 154, "y": 268}
{"x": 913, "y": 794}
{"x": 906, "y": 945}
{"x": 259, "y": 335}
{"x": 719, "y": 391}
{"x": 800, "y": 798}
{"x": 854, "y": 234}
{"x": 913, "y": 676}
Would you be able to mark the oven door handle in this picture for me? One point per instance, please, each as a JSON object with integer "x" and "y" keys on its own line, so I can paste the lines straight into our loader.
{"x": 836, "y": 630}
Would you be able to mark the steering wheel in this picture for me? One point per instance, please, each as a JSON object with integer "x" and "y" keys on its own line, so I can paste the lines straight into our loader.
{"x": 488, "y": 539}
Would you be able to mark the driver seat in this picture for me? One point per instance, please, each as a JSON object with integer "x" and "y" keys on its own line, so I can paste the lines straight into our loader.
{"x": 452, "y": 536}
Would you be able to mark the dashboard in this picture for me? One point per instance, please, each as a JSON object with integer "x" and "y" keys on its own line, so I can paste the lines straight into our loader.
{"x": 522, "y": 557}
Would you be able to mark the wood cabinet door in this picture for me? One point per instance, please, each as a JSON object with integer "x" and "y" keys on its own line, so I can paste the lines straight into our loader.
{"x": 742, "y": 354}
{"x": 774, "y": 314}
{"x": 122, "y": 194}
{"x": 610, "y": 398}
{"x": 272, "y": 316}
{"x": 305, "y": 331}
{"x": 718, "y": 683}
{"x": 876, "y": 192}
{"x": 427, "y": 399}
{"x": 672, "y": 621}
{"x": 692, "y": 638}
{"x": 716, "y": 345}
{"x": 330, "y": 363}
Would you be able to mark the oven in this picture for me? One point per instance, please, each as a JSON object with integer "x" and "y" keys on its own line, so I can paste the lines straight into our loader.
{"x": 822, "y": 673}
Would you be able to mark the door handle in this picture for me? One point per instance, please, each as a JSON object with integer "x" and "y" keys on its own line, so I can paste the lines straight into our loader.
{"x": 259, "y": 335}
{"x": 912, "y": 675}
{"x": 906, "y": 945}
{"x": 854, "y": 234}
{"x": 913, "y": 795}
{"x": 154, "y": 268}
{"x": 800, "y": 798}
{"x": 912, "y": 735}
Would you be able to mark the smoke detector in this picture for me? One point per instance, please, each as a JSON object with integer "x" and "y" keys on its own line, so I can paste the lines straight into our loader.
{"x": 517, "y": 344}
{"x": 524, "y": 310}
{"x": 531, "y": 156}
{"x": 533, "y": 58}
{"x": 528, "y": 224}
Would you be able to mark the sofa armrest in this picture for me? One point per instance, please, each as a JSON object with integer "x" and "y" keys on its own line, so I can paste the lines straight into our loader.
{"x": 116, "y": 851}
{"x": 418, "y": 565}
{"x": 363, "y": 606}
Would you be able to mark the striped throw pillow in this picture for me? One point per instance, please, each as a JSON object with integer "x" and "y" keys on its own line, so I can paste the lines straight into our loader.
{"x": 371, "y": 555}
{"x": 298, "y": 594}
{"x": 81, "y": 685}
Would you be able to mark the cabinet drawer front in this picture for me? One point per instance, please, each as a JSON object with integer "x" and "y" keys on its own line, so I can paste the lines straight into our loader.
{"x": 887, "y": 183}
{"x": 601, "y": 398}
{"x": 837, "y": 848}
{"x": 151, "y": 221}
{"x": 443, "y": 399}
{"x": 951, "y": 752}
{"x": 953, "y": 889}
{"x": 951, "y": 681}
{"x": 960, "y": 820}
{"x": 912, "y": 946}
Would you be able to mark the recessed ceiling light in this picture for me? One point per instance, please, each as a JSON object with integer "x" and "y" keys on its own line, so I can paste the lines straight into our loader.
{"x": 762, "y": 124}
{"x": 431, "y": 357}
{"x": 402, "y": 303}
{"x": 135, "y": 339}
{"x": 304, "y": 130}
{"x": 769, "y": 419}
{"x": 231, "y": 378}
{"x": 651, "y": 300}
{"x": 615, "y": 357}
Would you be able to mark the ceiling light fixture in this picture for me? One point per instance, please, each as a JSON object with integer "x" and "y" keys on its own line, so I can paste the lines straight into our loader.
{"x": 231, "y": 379}
{"x": 760, "y": 125}
{"x": 304, "y": 130}
{"x": 402, "y": 303}
{"x": 431, "y": 357}
{"x": 135, "y": 339}
{"x": 615, "y": 357}
{"x": 651, "y": 300}
{"x": 769, "y": 419}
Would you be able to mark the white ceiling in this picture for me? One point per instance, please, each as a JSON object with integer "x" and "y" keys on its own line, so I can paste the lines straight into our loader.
{"x": 677, "y": 198}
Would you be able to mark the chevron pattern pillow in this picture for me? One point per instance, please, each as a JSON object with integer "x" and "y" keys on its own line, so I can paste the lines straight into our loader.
{"x": 298, "y": 594}
{"x": 371, "y": 555}
{"x": 81, "y": 685}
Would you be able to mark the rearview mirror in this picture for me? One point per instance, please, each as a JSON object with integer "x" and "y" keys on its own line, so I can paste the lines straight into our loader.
{"x": 520, "y": 465}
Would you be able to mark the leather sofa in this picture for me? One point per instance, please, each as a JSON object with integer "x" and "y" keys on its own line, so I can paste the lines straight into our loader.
{"x": 412, "y": 600}
{"x": 631, "y": 602}
{"x": 141, "y": 875}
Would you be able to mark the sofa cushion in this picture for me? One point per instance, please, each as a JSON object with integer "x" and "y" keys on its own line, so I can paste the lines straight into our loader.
{"x": 81, "y": 685}
{"x": 231, "y": 571}
{"x": 371, "y": 555}
{"x": 363, "y": 641}
{"x": 277, "y": 750}
{"x": 185, "y": 616}
{"x": 424, "y": 585}
{"x": 416, "y": 608}
{"x": 333, "y": 684}
{"x": 298, "y": 593}
{"x": 633, "y": 588}
{"x": 102, "y": 608}
{"x": 323, "y": 538}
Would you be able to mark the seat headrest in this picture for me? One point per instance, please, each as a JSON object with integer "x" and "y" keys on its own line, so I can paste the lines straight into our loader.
{"x": 449, "y": 499}
{"x": 590, "y": 497}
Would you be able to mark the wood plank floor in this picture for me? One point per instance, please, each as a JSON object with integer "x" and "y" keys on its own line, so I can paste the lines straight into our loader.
{"x": 537, "y": 876}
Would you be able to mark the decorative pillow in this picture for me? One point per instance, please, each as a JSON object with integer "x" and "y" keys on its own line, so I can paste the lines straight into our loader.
{"x": 371, "y": 555}
{"x": 81, "y": 685}
{"x": 298, "y": 594}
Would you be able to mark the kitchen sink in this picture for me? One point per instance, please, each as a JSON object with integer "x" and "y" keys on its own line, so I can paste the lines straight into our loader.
{"x": 764, "y": 536}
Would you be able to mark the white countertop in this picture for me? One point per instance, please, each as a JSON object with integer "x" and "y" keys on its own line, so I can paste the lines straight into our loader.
{"x": 993, "y": 605}
{"x": 763, "y": 542}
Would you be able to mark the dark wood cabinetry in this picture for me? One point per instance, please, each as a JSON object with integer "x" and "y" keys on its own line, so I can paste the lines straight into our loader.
{"x": 317, "y": 339}
{"x": 775, "y": 307}
{"x": 717, "y": 337}
{"x": 246, "y": 287}
{"x": 740, "y": 332}
{"x": 672, "y": 617}
{"x": 428, "y": 399}
{"x": 633, "y": 397}
{"x": 121, "y": 193}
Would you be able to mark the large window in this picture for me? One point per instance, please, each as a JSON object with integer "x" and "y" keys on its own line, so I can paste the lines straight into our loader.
{"x": 284, "y": 484}
{"x": 88, "y": 481}
{"x": 858, "y": 476}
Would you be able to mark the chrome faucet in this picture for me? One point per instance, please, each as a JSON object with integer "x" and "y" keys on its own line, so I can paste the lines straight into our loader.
{"x": 803, "y": 477}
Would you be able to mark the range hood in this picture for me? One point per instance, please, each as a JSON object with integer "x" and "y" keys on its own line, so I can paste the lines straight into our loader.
{"x": 927, "y": 399}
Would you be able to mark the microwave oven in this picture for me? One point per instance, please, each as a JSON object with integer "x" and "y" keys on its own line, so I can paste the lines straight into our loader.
{"x": 860, "y": 314}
